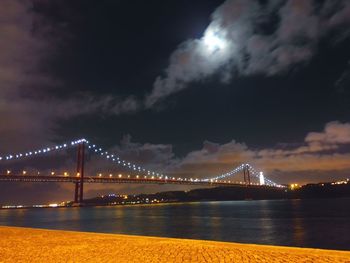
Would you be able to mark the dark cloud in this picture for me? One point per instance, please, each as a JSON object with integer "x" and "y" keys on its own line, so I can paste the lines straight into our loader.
{"x": 28, "y": 106}
{"x": 343, "y": 82}
{"x": 334, "y": 133}
{"x": 237, "y": 41}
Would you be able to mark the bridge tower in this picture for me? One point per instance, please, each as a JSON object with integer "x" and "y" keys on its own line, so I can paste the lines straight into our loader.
{"x": 79, "y": 184}
{"x": 246, "y": 174}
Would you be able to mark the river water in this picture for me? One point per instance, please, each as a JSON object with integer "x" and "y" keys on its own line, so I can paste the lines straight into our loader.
{"x": 317, "y": 223}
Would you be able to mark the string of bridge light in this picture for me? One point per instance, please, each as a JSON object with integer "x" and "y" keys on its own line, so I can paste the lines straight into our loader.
{"x": 132, "y": 166}
{"x": 267, "y": 181}
{"x": 256, "y": 174}
{"x": 239, "y": 169}
{"x": 222, "y": 176}
{"x": 111, "y": 157}
{"x": 136, "y": 168}
{"x": 42, "y": 151}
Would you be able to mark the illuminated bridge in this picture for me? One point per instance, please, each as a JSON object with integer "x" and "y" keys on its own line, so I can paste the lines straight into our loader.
{"x": 136, "y": 174}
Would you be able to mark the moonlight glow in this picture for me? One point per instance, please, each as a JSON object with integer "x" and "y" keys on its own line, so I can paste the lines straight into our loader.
{"x": 213, "y": 40}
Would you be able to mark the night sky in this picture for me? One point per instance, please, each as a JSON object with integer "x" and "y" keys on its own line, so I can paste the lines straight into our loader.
{"x": 192, "y": 88}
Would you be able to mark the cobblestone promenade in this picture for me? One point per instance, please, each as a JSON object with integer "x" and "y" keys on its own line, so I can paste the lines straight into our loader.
{"x": 32, "y": 245}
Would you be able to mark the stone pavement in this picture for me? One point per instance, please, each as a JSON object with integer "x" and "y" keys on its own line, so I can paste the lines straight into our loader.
{"x": 36, "y": 245}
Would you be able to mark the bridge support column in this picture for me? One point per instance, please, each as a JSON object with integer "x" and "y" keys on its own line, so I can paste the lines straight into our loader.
{"x": 79, "y": 184}
{"x": 246, "y": 175}
{"x": 76, "y": 193}
{"x": 245, "y": 180}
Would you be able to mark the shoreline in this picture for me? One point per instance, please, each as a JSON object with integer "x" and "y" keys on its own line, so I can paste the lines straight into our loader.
{"x": 169, "y": 203}
{"x": 28, "y": 244}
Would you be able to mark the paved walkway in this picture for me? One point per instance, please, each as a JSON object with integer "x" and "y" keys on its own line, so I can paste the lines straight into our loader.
{"x": 34, "y": 245}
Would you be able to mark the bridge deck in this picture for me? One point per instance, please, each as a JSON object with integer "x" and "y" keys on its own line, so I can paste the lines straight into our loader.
{"x": 116, "y": 180}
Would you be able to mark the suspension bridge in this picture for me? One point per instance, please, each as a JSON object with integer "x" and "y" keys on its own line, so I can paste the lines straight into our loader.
{"x": 136, "y": 175}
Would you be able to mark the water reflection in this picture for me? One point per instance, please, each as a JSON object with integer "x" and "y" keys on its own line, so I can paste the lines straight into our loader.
{"x": 303, "y": 223}
{"x": 298, "y": 226}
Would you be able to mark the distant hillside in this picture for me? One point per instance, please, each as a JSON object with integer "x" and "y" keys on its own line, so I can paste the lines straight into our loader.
{"x": 324, "y": 190}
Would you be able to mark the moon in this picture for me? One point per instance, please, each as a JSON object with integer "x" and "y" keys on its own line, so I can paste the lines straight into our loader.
{"x": 213, "y": 40}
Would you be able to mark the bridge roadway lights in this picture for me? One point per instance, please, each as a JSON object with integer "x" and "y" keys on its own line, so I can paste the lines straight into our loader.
{"x": 75, "y": 179}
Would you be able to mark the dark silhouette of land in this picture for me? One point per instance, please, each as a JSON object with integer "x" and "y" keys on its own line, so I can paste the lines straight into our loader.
{"x": 321, "y": 190}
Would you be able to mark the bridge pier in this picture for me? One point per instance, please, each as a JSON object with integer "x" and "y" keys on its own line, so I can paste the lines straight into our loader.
{"x": 79, "y": 184}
